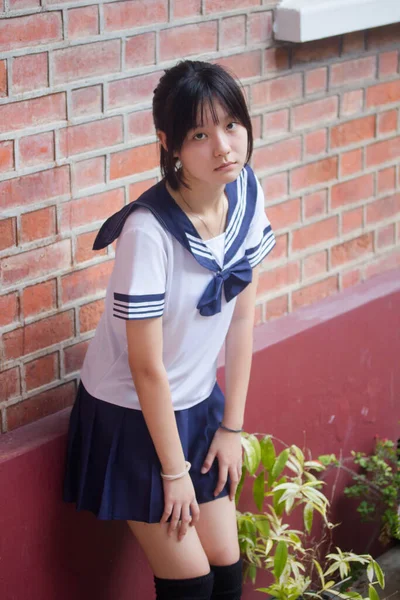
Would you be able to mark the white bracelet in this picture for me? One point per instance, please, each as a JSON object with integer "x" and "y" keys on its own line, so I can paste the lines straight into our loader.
{"x": 180, "y": 475}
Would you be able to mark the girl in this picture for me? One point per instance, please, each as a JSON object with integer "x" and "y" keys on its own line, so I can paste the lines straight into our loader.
{"x": 152, "y": 439}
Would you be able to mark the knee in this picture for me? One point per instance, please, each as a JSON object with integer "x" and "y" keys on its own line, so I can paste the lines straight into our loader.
{"x": 227, "y": 581}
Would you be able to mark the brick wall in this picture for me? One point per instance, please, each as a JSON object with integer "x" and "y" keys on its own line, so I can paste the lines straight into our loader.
{"x": 77, "y": 143}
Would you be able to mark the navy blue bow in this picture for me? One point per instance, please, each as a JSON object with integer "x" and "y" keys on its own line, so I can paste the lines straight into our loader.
{"x": 233, "y": 280}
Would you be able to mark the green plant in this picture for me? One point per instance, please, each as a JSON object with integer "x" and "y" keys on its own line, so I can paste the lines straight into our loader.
{"x": 377, "y": 485}
{"x": 284, "y": 484}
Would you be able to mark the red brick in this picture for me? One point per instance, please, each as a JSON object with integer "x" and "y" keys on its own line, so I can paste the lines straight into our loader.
{"x": 36, "y": 149}
{"x": 353, "y": 132}
{"x": 314, "y": 205}
{"x": 8, "y": 309}
{"x": 73, "y": 357}
{"x": 352, "y": 102}
{"x": 382, "y": 152}
{"x": 84, "y": 247}
{"x": 281, "y": 248}
{"x": 212, "y": 6}
{"x": 276, "y": 59}
{"x": 277, "y": 307}
{"x": 315, "y": 264}
{"x": 258, "y": 315}
{"x": 280, "y": 277}
{"x": 350, "y": 278}
{"x": 314, "y": 173}
{"x": 41, "y": 371}
{"x": 6, "y": 156}
{"x": 48, "y": 331}
{"x": 38, "y": 224}
{"x": 40, "y": 406}
{"x": 351, "y": 162}
{"x": 256, "y": 125}
{"x": 383, "y": 93}
{"x": 315, "y": 112}
{"x": 140, "y": 124}
{"x": 9, "y": 384}
{"x": 385, "y": 236}
{"x": 353, "y": 70}
{"x": 28, "y": 113}
{"x": 132, "y": 14}
{"x": 315, "y": 233}
{"x": 316, "y": 80}
{"x": 233, "y": 32}
{"x": 279, "y": 154}
{"x": 243, "y": 65}
{"x": 355, "y": 190}
{"x": 186, "y": 8}
{"x": 318, "y": 50}
{"x": 140, "y": 50}
{"x": 388, "y": 63}
{"x": 37, "y": 187}
{"x": 384, "y": 208}
{"x": 20, "y": 4}
{"x": 39, "y": 298}
{"x": 30, "y": 72}
{"x": 87, "y": 101}
{"x": 279, "y": 90}
{"x": 387, "y": 122}
{"x": 83, "y": 22}
{"x": 353, "y": 42}
{"x": 314, "y": 292}
{"x": 285, "y": 214}
{"x": 90, "y": 136}
{"x": 86, "y": 281}
{"x": 7, "y": 233}
{"x": 276, "y": 123}
{"x": 88, "y": 172}
{"x": 136, "y": 189}
{"x": 352, "y": 250}
{"x": 315, "y": 142}
{"x": 380, "y": 37}
{"x": 90, "y": 209}
{"x": 34, "y": 263}
{"x": 32, "y": 30}
{"x": 89, "y": 315}
{"x": 132, "y": 91}
{"x": 260, "y": 27}
{"x": 13, "y": 343}
{"x": 275, "y": 186}
{"x": 78, "y": 62}
{"x": 387, "y": 263}
{"x": 3, "y": 78}
{"x": 134, "y": 160}
{"x": 386, "y": 180}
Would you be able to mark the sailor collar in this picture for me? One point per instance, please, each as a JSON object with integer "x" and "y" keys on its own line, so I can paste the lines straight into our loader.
{"x": 234, "y": 275}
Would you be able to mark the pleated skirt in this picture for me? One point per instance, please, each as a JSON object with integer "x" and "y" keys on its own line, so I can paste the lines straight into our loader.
{"x": 112, "y": 468}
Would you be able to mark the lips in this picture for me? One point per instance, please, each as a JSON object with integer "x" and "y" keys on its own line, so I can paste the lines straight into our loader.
{"x": 224, "y": 166}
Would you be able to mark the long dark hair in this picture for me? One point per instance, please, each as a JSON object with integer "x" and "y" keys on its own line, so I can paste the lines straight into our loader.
{"x": 179, "y": 100}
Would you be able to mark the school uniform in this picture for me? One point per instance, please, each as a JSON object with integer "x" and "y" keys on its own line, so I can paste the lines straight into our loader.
{"x": 162, "y": 268}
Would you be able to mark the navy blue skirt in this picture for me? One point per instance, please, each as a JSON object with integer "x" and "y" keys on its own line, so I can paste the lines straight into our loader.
{"x": 112, "y": 468}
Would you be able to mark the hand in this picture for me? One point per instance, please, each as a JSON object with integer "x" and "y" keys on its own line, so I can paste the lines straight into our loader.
{"x": 227, "y": 447}
{"x": 179, "y": 502}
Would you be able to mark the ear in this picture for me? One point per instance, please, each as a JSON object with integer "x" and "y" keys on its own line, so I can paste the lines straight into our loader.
{"x": 163, "y": 139}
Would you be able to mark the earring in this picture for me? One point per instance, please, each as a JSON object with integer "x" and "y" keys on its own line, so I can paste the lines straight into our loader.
{"x": 178, "y": 164}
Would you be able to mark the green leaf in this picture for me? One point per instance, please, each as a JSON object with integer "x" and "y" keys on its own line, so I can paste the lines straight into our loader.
{"x": 252, "y": 572}
{"x": 370, "y": 572}
{"x": 379, "y": 574}
{"x": 252, "y": 453}
{"x": 308, "y": 516}
{"x": 280, "y": 559}
{"x": 280, "y": 463}
{"x": 373, "y": 594}
{"x": 258, "y": 490}
{"x": 240, "y": 486}
{"x": 320, "y": 571}
{"x": 267, "y": 452}
{"x": 262, "y": 525}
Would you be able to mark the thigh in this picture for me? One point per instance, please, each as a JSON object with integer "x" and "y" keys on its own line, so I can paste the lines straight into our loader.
{"x": 168, "y": 558}
{"x": 217, "y": 531}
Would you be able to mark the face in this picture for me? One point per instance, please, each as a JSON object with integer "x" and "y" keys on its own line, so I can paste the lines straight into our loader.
{"x": 214, "y": 153}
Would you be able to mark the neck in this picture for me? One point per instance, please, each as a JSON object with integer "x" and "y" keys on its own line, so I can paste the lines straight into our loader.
{"x": 201, "y": 197}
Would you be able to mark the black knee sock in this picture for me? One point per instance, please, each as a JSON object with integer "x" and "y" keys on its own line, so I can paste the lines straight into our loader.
{"x": 198, "y": 588}
{"x": 227, "y": 582}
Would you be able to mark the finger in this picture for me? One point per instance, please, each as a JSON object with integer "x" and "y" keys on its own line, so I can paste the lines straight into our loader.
{"x": 166, "y": 514}
{"x": 208, "y": 462}
{"x": 223, "y": 475}
{"x": 176, "y": 515}
{"x": 234, "y": 479}
{"x": 239, "y": 471}
{"x": 185, "y": 520}
{"x": 195, "y": 510}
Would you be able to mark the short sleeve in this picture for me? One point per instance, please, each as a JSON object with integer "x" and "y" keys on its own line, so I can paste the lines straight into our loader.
{"x": 139, "y": 276}
{"x": 260, "y": 238}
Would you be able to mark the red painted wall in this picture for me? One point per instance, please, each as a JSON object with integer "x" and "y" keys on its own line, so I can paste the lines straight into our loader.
{"x": 326, "y": 376}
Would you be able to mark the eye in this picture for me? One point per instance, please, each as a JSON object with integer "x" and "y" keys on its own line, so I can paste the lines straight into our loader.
{"x": 199, "y": 136}
{"x": 231, "y": 126}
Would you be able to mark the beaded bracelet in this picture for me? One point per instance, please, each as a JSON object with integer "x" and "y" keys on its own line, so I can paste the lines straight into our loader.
{"x": 179, "y": 475}
{"x": 229, "y": 429}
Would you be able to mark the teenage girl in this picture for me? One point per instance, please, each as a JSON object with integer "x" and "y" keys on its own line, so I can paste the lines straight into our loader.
{"x": 152, "y": 439}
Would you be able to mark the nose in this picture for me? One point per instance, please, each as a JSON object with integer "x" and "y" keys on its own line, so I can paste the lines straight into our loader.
{"x": 221, "y": 147}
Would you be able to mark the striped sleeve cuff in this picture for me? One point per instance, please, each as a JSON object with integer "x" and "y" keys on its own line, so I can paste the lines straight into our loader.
{"x": 138, "y": 307}
{"x": 256, "y": 254}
